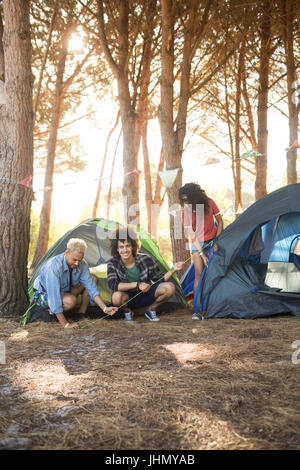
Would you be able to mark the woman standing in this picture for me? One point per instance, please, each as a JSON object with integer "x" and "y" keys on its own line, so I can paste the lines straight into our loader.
{"x": 199, "y": 215}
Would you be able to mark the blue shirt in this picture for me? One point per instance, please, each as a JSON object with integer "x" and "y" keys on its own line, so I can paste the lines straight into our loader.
{"x": 54, "y": 280}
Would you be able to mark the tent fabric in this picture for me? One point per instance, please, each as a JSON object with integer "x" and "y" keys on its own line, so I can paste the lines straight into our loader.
{"x": 234, "y": 284}
{"x": 96, "y": 234}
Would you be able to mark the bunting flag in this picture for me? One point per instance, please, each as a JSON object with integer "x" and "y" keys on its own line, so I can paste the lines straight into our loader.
{"x": 294, "y": 146}
{"x": 173, "y": 213}
{"x": 102, "y": 179}
{"x": 168, "y": 177}
{"x": 211, "y": 161}
{"x": 251, "y": 154}
{"x": 46, "y": 188}
{"x": 25, "y": 182}
{"x": 134, "y": 172}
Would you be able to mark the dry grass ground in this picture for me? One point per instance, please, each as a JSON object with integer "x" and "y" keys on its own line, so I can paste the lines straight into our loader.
{"x": 176, "y": 384}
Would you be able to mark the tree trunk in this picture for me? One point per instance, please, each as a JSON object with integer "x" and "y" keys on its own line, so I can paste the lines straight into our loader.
{"x": 16, "y": 162}
{"x": 158, "y": 198}
{"x": 130, "y": 189}
{"x": 238, "y": 181}
{"x": 172, "y": 149}
{"x": 2, "y": 66}
{"x": 147, "y": 177}
{"x": 262, "y": 115}
{"x": 37, "y": 96}
{"x": 291, "y": 156}
{"x": 142, "y": 108}
{"x": 99, "y": 185}
{"x": 43, "y": 237}
{"x": 111, "y": 177}
{"x": 120, "y": 70}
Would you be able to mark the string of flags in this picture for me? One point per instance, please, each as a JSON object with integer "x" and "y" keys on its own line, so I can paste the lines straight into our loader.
{"x": 168, "y": 177}
{"x": 25, "y": 182}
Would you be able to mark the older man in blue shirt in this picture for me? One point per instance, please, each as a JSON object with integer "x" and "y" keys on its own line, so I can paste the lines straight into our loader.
{"x": 64, "y": 277}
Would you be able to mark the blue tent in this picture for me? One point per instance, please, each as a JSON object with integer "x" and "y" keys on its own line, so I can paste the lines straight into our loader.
{"x": 256, "y": 271}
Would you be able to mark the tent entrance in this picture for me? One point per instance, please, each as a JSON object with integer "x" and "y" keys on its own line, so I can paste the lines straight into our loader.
{"x": 284, "y": 276}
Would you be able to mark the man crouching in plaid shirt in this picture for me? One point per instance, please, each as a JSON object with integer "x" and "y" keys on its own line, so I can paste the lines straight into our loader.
{"x": 135, "y": 279}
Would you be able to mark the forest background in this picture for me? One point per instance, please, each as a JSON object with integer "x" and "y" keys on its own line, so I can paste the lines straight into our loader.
{"x": 106, "y": 88}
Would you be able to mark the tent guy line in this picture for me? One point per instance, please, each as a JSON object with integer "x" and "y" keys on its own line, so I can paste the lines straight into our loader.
{"x": 125, "y": 303}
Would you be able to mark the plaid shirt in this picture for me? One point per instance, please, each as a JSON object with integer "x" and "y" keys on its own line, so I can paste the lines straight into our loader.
{"x": 116, "y": 273}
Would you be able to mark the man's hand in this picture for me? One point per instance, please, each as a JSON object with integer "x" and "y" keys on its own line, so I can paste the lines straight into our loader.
{"x": 179, "y": 265}
{"x": 111, "y": 310}
{"x": 144, "y": 287}
{"x": 72, "y": 325}
{"x": 64, "y": 323}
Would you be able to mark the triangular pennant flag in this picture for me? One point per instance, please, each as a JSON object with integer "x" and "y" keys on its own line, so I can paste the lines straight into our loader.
{"x": 211, "y": 161}
{"x": 46, "y": 188}
{"x": 168, "y": 177}
{"x": 294, "y": 146}
{"x": 25, "y": 182}
{"x": 134, "y": 172}
{"x": 250, "y": 155}
{"x": 173, "y": 213}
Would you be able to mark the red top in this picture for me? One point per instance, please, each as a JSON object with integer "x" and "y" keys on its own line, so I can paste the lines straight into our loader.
{"x": 204, "y": 224}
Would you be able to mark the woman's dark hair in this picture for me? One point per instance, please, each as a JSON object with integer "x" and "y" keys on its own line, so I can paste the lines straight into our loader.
{"x": 122, "y": 234}
{"x": 191, "y": 193}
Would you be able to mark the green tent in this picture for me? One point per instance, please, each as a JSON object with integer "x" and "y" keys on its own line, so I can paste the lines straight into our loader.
{"x": 96, "y": 234}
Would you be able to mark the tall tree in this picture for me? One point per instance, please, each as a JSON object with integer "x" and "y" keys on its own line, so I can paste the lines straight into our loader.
{"x": 117, "y": 54}
{"x": 290, "y": 10}
{"x": 263, "y": 93}
{"x": 16, "y": 162}
{"x": 100, "y": 182}
{"x": 62, "y": 85}
{"x": 194, "y": 20}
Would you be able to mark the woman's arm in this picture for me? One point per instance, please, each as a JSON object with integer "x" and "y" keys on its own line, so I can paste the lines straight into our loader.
{"x": 220, "y": 224}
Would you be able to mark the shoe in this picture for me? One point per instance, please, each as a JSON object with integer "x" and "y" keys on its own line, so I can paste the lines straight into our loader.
{"x": 196, "y": 316}
{"x": 38, "y": 313}
{"x": 128, "y": 316}
{"x": 151, "y": 315}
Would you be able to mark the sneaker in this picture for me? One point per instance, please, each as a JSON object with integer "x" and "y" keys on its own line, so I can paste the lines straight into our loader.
{"x": 196, "y": 316}
{"x": 128, "y": 316}
{"x": 151, "y": 315}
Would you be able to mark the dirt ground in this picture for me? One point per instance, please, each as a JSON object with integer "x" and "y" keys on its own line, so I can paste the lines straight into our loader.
{"x": 175, "y": 384}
